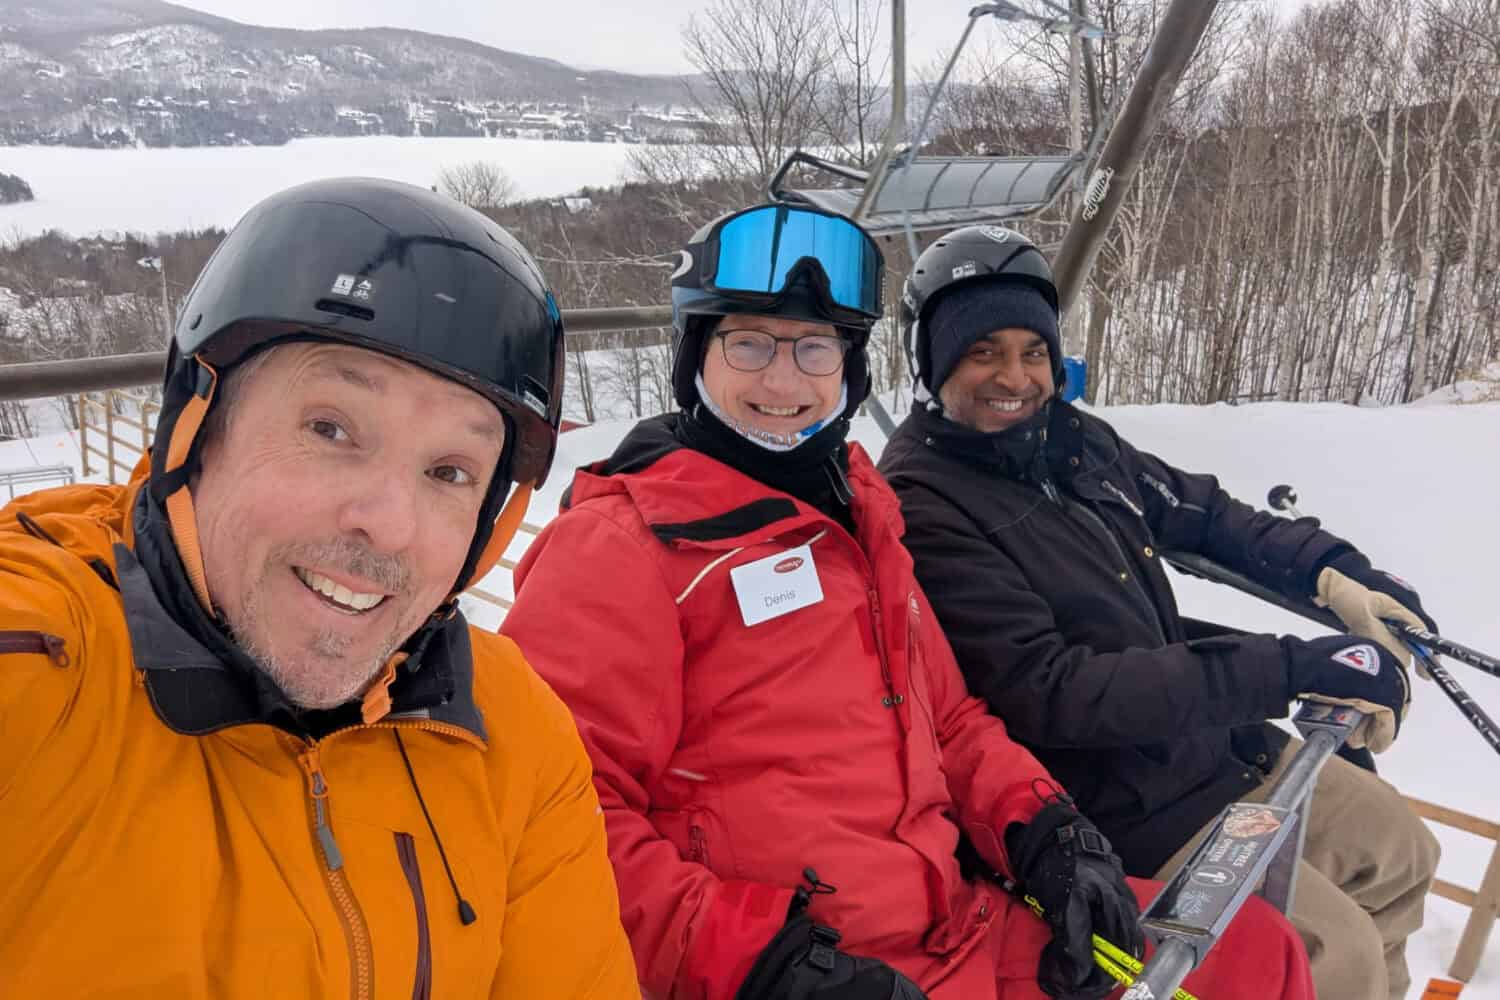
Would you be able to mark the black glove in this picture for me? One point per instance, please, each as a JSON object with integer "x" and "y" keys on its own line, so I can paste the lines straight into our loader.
{"x": 1356, "y": 567}
{"x": 1066, "y": 864}
{"x": 1348, "y": 670}
{"x": 803, "y": 962}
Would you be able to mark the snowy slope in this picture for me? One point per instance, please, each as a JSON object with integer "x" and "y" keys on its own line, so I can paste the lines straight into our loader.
{"x": 1415, "y": 487}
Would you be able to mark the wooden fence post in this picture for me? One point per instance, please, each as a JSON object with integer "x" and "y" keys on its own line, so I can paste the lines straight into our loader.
{"x": 109, "y": 432}
{"x": 1481, "y": 922}
{"x": 145, "y": 407}
{"x": 83, "y": 430}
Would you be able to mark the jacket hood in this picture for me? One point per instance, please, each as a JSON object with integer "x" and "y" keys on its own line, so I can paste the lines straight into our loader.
{"x": 686, "y": 496}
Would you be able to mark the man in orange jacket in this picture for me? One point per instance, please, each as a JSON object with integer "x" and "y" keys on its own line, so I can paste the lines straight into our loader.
{"x": 248, "y": 745}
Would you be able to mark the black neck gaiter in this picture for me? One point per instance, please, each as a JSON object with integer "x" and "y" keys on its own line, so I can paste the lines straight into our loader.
{"x": 815, "y": 472}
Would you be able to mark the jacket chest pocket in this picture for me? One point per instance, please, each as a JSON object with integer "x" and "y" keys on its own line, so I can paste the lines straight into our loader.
{"x": 927, "y": 754}
{"x": 422, "y": 947}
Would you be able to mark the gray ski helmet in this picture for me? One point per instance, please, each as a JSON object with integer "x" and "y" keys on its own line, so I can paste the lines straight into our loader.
{"x": 973, "y": 253}
{"x": 385, "y": 266}
{"x": 697, "y": 304}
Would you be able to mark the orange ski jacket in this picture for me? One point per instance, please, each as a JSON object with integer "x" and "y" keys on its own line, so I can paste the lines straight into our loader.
{"x": 158, "y": 840}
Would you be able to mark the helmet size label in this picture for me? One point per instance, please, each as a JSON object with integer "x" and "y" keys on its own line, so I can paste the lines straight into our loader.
{"x": 967, "y": 269}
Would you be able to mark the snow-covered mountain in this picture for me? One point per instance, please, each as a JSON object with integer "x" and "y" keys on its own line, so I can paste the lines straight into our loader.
{"x": 95, "y": 72}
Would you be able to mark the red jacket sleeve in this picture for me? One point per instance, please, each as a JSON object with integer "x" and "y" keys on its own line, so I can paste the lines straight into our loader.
{"x": 595, "y": 617}
{"x": 994, "y": 780}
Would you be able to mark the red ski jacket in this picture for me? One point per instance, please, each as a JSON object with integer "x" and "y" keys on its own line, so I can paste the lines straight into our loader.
{"x": 729, "y": 757}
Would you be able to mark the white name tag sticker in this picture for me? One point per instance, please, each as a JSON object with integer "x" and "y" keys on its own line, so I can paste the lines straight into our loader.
{"x": 776, "y": 585}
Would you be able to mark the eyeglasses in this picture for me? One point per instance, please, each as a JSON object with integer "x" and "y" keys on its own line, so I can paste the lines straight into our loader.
{"x": 754, "y": 350}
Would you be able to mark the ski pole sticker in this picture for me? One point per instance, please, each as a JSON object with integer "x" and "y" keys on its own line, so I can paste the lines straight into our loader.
{"x": 1363, "y": 658}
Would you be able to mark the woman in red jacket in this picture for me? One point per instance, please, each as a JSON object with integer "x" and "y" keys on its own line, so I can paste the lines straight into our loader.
{"x": 783, "y": 746}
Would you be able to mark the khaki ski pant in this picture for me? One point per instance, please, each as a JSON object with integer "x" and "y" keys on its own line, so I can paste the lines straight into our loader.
{"x": 1366, "y": 867}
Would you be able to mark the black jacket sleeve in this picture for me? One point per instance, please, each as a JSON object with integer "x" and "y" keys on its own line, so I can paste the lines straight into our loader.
{"x": 1192, "y": 513}
{"x": 1052, "y": 694}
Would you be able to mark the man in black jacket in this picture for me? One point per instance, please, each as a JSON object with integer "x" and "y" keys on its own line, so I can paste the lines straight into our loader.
{"x": 1037, "y": 531}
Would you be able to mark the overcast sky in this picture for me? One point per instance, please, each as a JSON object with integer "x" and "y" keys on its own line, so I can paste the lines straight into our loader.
{"x": 639, "y": 36}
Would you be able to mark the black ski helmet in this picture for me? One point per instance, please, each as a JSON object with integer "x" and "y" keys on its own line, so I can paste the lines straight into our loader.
{"x": 973, "y": 253}
{"x": 389, "y": 267}
{"x": 696, "y": 306}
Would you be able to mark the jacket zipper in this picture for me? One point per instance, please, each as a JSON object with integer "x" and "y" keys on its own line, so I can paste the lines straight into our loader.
{"x": 406, "y": 850}
{"x": 356, "y": 932}
{"x": 41, "y": 643}
{"x": 697, "y": 844}
{"x": 892, "y": 699}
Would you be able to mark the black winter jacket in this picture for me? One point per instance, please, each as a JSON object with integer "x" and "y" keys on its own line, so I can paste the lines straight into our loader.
{"x": 1039, "y": 549}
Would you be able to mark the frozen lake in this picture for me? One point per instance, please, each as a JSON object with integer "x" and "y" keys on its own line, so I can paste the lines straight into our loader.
{"x": 84, "y": 191}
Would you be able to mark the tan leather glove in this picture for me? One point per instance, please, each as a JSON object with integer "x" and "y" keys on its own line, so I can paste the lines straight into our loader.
{"x": 1361, "y": 610}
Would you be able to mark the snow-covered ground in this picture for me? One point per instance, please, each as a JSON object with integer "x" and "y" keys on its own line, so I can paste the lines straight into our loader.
{"x": 84, "y": 191}
{"x": 1417, "y": 488}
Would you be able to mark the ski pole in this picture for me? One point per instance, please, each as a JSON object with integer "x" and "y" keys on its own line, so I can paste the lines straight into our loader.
{"x": 1122, "y": 966}
{"x": 1462, "y": 653}
{"x": 1283, "y": 497}
{"x": 1191, "y": 562}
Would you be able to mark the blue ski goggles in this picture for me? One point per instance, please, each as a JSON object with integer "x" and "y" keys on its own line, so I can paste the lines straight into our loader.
{"x": 755, "y": 255}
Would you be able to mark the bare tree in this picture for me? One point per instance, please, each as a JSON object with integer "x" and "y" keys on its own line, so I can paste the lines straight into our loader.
{"x": 763, "y": 66}
{"x": 478, "y": 184}
{"x": 851, "y": 108}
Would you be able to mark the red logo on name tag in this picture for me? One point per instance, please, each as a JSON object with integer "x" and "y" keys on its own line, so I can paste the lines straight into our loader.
{"x": 788, "y": 565}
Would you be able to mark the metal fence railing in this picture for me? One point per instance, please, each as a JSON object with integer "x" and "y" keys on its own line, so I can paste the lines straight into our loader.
{"x": 37, "y": 379}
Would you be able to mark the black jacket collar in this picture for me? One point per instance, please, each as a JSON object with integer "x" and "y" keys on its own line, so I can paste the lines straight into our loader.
{"x": 1061, "y": 443}
{"x": 815, "y": 473}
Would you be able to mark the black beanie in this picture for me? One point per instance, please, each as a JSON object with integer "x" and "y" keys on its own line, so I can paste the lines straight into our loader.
{"x": 966, "y": 313}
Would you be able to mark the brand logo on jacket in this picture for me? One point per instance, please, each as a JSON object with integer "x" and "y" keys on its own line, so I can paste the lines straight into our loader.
{"x": 788, "y": 565}
{"x": 1363, "y": 658}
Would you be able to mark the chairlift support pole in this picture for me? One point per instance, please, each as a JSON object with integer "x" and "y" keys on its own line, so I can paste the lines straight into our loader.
{"x": 1176, "y": 40}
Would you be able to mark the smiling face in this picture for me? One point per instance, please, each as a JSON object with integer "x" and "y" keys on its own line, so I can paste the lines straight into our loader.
{"x": 781, "y": 398}
{"x": 335, "y": 509}
{"x": 1002, "y": 379}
